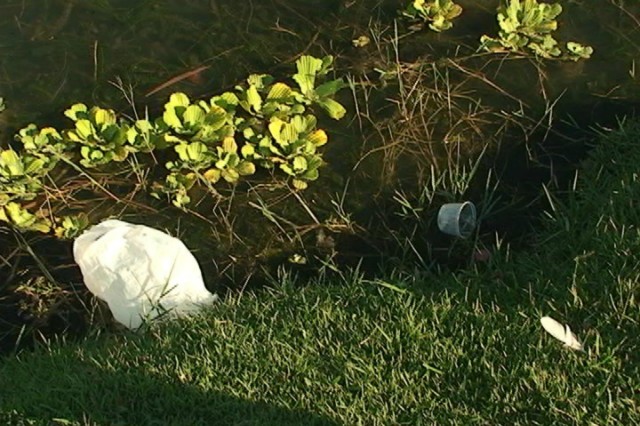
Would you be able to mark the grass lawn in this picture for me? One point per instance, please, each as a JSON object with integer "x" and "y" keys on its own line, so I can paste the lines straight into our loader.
{"x": 464, "y": 348}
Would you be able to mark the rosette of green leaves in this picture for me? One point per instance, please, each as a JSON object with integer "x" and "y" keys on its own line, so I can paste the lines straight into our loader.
{"x": 193, "y": 156}
{"x": 46, "y": 144}
{"x": 264, "y": 99}
{"x": 229, "y": 165}
{"x": 292, "y": 147}
{"x": 206, "y": 122}
{"x": 71, "y": 226}
{"x": 20, "y": 176}
{"x": 528, "y": 25}
{"x": 577, "y": 51}
{"x": 101, "y": 138}
{"x": 16, "y": 215}
{"x": 212, "y": 163}
{"x": 438, "y": 13}
{"x": 145, "y": 135}
{"x": 309, "y": 69}
{"x": 176, "y": 186}
{"x": 206, "y": 163}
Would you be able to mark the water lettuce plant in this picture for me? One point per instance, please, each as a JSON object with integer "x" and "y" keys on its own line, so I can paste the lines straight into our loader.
{"x": 262, "y": 123}
{"x": 528, "y": 26}
{"x": 438, "y": 13}
{"x": 101, "y": 138}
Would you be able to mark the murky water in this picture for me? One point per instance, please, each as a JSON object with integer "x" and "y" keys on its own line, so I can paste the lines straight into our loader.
{"x": 533, "y": 117}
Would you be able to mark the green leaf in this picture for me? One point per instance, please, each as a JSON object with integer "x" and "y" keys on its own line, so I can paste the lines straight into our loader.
{"x": 21, "y": 218}
{"x": 34, "y": 165}
{"x": 332, "y": 107}
{"x": 104, "y": 117}
{"x": 77, "y": 112}
{"x": 246, "y": 168}
{"x": 577, "y": 51}
{"x": 299, "y": 184}
{"x": 330, "y": 88}
{"x": 287, "y": 169}
{"x": 311, "y": 174}
{"x": 212, "y": 175}
{"x": 171, "y": 118}
{"x": 247, "y": 150}
{"x": 260, "y": 81}
{"x": 254, "y": 99}
{"x": 195, "y": 151}
{"x": 229, "y": 145}
{"x": 227, "y": 101}
{"x": 175, "y": 109}
{"x": 72, "y": 226}
{"x": 10, "y": 163}
{"x": 279, "y": 91}
{"x": 216, "y": 118}
{"x": 181, "y": 149}
{"x": 84, "y": 129}
{"x": 318, "y": 138}
{"x": 193, "y": 116}
{"x": 275, "y": 128}
{"x": 299, "y": 164}
{"x": 308, "y": 68}
{"x": 178, "y": 99}
{"x": 230, "y": 175}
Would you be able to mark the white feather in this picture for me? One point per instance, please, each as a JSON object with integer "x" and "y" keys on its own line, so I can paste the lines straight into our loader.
{"x": 140, "y": 272}
{"x": 561, "y": 332}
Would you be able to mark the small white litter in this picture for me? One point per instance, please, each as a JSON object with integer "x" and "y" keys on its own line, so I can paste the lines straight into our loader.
{"x": 561, "y": 332}
{"x": 140, "y": 272}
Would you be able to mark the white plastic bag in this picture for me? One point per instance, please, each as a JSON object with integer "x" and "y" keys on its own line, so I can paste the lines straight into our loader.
{"x": 140, "y": 272}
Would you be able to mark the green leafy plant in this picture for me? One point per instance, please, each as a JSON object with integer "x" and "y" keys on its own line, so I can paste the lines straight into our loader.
{"x": 438, "y": 13}
{"x": 293, "y": 148}
{"x": 72, "y": 226}
{"x": 20, "y": 176}
{"x": 202, "y": 121}
{"x": 145, "y": 136}
{"x": 309, "y": 70}
{"x": 22, "y": 219}
{"x": 46, "y": 144}
{"x": 576, "y": 51}
{"x": 100, "y": 137}
{"x": 263, "y": 123}
{"x": 528, "y": 26}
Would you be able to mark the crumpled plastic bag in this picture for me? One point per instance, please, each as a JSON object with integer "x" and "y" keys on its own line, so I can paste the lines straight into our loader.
{"x": 140, "y": 272}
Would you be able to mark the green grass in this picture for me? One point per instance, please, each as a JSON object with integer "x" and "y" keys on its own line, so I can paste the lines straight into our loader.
{"x": 463, "y": 348}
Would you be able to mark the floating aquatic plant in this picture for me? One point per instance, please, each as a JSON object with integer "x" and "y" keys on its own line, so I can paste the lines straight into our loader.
{"x": 439, "y": 14}
{"x": 528, "y": 26}
{"x": 262, "y": 123}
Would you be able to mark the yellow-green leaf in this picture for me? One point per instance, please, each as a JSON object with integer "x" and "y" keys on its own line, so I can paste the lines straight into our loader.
{"x": 279, "y": 91}
{"x": 229, "y": 145}
{"x": 318, "y": 138}
{"x": 212, "y": 175}
{"x": 10, "y": 161}
{"x": 299, "y": 164}
{"x": 254, "y": 99}
{"x": 299, "y": 184}
{"x": 246, "y": 168}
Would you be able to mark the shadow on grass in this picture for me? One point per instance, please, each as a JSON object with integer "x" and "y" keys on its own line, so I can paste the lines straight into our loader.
{"x": 73, "y": 389}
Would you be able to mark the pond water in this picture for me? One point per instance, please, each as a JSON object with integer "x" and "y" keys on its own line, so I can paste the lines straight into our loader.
{"x": 431, "y": 119}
